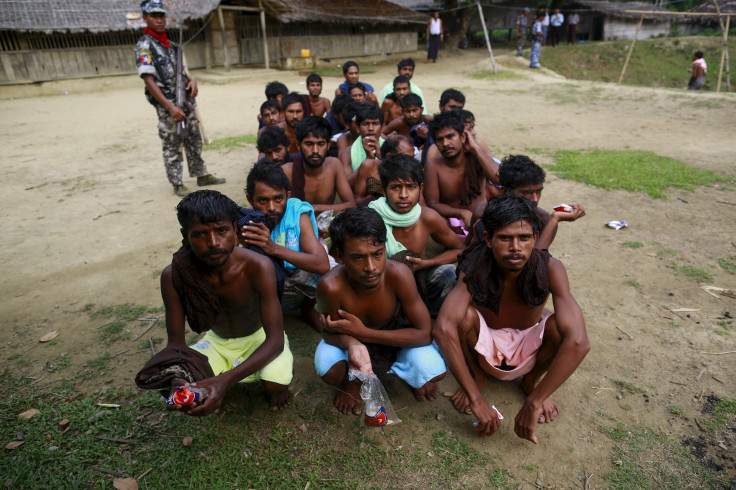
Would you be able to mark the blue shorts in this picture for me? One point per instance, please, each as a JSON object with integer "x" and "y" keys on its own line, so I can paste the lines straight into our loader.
{"x": 415, "y": 365}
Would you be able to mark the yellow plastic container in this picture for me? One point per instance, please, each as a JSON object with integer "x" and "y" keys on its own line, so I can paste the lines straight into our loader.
{"x": 306, "y": 53}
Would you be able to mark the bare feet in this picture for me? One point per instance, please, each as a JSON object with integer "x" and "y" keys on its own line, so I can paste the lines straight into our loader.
{"x": 548, "y": 411}
{"x": 428, "y": 391}
{"x": 347, "y": 398}
{"x": 278, "y": 401}
{"x": 461, "y": 402}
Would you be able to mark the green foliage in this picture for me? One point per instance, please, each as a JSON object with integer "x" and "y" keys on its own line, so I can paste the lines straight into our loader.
{"x": 654, "y": 62}
{"x": 647, "y": 458}
{"x": 695, "y": 273}
{"x": 628, "y": 387}
{"x": 666, "y": 251}
{"x": 632, "y": 244}
{"x": 635, "y": 171}
{"x": 675, "y": 410}
{"x": 633, "y": 283}
{"x": 232, "y": 142}
{"x": 728, "y": 265}
{"x": 722, "y": 411}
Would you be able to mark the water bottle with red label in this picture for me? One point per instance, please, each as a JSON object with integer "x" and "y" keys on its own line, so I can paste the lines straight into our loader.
{"x": 187, "y": 395}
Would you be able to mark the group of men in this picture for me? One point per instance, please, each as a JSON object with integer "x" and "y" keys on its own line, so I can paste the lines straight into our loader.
{"x": 546, "y": 30}
{"x": 343, "y": 206}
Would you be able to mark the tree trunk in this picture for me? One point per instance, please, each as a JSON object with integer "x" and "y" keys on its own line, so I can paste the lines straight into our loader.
{"x": 456, "y": 24}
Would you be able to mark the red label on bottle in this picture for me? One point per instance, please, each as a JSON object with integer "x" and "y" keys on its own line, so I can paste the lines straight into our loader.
{"x": 379, "y": 419}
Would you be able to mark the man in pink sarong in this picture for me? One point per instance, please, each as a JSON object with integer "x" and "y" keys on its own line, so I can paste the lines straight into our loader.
{"x": 494, "y": 321}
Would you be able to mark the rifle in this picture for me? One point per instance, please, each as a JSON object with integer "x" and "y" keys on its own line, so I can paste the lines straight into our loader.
{"x": 181, "y": 83}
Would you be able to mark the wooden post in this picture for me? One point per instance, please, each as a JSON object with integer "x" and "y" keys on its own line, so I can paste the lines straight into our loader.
{"x": 202, "y": 132}
{"x": 224, "y": 38}
{"x": 628, "y": 56}
{"x": 265, "y": 38}
{"x": 208, "y": 45}
{"x": 724, "y": 52}
{"x": 488, "y": 41}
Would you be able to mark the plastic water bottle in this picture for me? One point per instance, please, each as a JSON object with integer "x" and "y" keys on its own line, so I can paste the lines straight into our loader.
{"x": 185, "y": 396}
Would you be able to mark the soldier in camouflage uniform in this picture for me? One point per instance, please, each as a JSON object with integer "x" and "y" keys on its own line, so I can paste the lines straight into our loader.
{"x": 156, "y": 62}
{"x": 522, "y": 22}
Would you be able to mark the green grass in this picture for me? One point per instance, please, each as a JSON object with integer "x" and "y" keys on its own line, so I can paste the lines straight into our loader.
{"x": 664, "y": 252}
{"x": 635, "y": 171}
{"x": 728, "y": 265}
{"x": 633, "y": 283}
{"x": 632, "y": 244}
{"x": 646, "y": 458}
{"x": 675, "y": 410}
{"x": 232, "y": 142}
{"x": 654, "y": 62}
{"x": 695, "y": 273}
{"x": 722, "y": 412}
{"x": 628, "y": 387}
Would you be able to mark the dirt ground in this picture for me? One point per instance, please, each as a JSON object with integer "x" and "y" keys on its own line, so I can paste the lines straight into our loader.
{"x": 88, "y": 217}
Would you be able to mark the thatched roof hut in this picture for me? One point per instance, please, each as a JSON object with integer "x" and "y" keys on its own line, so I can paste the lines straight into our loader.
{"x": 342, "y": 12}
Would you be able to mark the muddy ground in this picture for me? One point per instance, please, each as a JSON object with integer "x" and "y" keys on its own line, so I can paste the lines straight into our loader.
{"x": 88, "y": 219}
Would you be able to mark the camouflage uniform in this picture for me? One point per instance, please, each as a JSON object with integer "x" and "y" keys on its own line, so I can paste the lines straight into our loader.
{"x": 152, "y": 58}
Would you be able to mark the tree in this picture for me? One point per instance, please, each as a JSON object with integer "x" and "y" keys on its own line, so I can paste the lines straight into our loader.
{"x": 456, "y": 22}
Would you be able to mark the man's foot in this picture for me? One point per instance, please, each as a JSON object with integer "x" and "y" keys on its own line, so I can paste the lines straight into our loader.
{"x": 209, "y": 179}
{"x": 181, "y": 190}
{"x": 461, "y": 402}
{"x": 278, "y": 401}
{"x": 347, "y": 398}
{"x": 428, "y": 391}
{"x": 548, "y": 411}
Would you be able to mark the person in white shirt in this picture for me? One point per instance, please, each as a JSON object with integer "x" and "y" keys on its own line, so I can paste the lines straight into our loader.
{"x": 556, "y": 21}
{"x": 573, "y": 20}
{"x": 435, "y": 34}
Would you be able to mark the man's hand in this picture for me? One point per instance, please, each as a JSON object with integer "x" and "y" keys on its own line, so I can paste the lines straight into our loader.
{"x": 192, "y": 88}
{"x": 257, "y": 234}
{"x": 176, "y": 112}
{"x": 526, "y": 422}
{"x": 371, "y": 147}
{"x": 471, "y": 141}
{"x": 467, "y": 218}
{"x": 487, "y": 417}
{"x": 359, "y": 359}
{"x": 217, "y": 387}
{"x": 348, "y": 324}
{"x": 578, "y": 211}
{"x": 418, "y": 263}
{"x": 371, "y": 98}
{"x": 423, "y": 131}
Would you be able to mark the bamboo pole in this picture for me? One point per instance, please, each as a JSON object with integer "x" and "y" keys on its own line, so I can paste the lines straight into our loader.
{"x": 224, "y": 38}
{"x": 488, "y": 41}
{"x": 724, "y": 51}
{"x": 631, "y": 49}
{"x": 674, "y": 14}
{"x": 265, "y": 38}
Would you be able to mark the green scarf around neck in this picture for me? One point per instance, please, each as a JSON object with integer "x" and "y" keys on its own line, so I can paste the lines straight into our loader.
{"x": 391, "y": 218}
{"x": 357, "y": 152}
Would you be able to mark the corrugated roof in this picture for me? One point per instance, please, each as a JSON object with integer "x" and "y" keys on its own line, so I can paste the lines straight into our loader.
{"x": 89, "y": 15}
{"x": 342, "y": 11}
{"x": 617, "y": 9}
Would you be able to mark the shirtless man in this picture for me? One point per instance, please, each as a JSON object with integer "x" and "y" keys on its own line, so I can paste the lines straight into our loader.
{"x": 373, "y": 319}
{"x": 350, "y": 118}
{"x": 315, "y": 177}
{"x": 289, "y": 234}
{"x": 245, "y": 340}
{"x": 519, "y": 175}
{"x": 270, "y": 115}
{"x": 275, "y": 91}
{"x": 320, "y": 105}
{"x": 367, "y": 179}
{"x": 454, "y": 180}
{"x": 274, "y": 145}
{"x": 411, "y": 115}
{"x": 451, "y": 99}
{"x": 293, "y": 113}
{"x": 391, "y": 106}
{"x": 409, "y": 225}
{"x": 494, "y": 321}
{"x": 351, "y": 72}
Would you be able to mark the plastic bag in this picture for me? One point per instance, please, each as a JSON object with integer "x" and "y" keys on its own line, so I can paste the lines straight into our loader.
{"x": 377, "y": 408}
{"x": 323, "y": 221}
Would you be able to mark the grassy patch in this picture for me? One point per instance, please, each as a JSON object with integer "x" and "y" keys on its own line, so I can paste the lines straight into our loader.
{"x": 628, "y": 387}
{"x": 723, "y": 411}
{"x": 728, "y": 265}
{"x": 695, "y": 273}
{"x": 675, "y": 410}
{"x": 635, "y": 171}
{"x": 647, "y": 458}
{"x": 665, "y": 252}
{"x": 232, "y": 142}
{"x": 633, "y": 283}
{"x": 654, "y": 62}
{"x": 632, "y": 244}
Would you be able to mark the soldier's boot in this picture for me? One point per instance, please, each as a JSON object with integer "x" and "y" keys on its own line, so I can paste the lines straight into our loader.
{"x": 181, "y": 191}
{"x": 209, "y": 179}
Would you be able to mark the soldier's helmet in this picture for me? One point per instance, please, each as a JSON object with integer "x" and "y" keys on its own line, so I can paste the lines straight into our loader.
{"x": 152, "y": 6}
